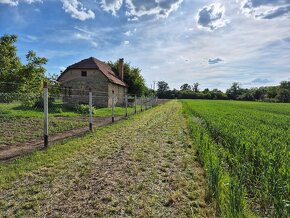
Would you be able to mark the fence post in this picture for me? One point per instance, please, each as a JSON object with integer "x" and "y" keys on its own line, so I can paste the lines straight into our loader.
{"x": 45, "y": 109}
{"x": 141, "y": 99}
{"x": 135, "y": 104}
{"x": 113, "y": 107}
{"x": 91, "y": 110}
{"x": 126, "y": 103}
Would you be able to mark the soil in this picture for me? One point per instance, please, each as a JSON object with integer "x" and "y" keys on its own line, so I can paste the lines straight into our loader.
{"x": 15, "y": 150}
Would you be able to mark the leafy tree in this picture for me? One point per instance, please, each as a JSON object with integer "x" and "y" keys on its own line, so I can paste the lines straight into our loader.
{"x": 162, "y": 89}
{"x": 283, "y": 95}
{"x": 9, "y": 64}
{"x": 185, "y": 87}
{"x": 14, "y": 76}
{"x": 234, "y": 91}
{"x": 195, "y": 87}
{"x": 33, "y": 73}
{"x": 132, "y": 77}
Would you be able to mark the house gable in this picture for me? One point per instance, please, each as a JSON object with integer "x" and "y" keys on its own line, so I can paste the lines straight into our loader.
{"x": 93, "y": 63}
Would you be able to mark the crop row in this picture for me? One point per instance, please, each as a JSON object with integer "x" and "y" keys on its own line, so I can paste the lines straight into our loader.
{"x": 250, "y": 143}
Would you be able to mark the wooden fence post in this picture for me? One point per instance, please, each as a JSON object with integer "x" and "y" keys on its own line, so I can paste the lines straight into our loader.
{"x": 45, "y": 109}
{"x": 91, "y": 110}
{"x": 113, "y": 106}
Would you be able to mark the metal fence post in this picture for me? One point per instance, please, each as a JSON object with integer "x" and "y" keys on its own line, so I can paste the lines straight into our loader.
{"x": 91, "y": 110}
{"x": 126, "y": 103}
{"x": 141, "y": 99}
{"x": 135, "y": 104}
{"x": 45, "y": 109}
{"x": 113, "y": 107}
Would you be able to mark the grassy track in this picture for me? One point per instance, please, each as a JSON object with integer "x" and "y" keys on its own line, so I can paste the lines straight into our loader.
{"x": 245, "y": 149}
{"x": 142, "y": 167}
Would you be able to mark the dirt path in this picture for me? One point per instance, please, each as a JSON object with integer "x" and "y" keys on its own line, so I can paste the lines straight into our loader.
{"x": 143, "y": 167}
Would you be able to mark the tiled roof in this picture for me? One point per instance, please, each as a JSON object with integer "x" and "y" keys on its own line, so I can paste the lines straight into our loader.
{"x": 93, "y": 63}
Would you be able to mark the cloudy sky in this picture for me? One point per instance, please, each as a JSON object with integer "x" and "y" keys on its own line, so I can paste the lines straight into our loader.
{"x": 212, "y": 42}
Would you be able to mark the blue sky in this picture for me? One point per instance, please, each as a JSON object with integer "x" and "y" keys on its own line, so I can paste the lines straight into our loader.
{"x": 214, "y": 43}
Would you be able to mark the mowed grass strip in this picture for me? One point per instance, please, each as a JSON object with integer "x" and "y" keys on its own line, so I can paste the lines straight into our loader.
{"x": 141, "y": 167}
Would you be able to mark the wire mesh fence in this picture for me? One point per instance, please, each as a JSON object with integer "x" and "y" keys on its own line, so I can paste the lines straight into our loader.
{"x": 32, "y": 120}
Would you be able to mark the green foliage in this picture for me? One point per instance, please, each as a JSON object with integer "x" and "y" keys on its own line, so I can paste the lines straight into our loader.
{"x": 16, "y": 77}
{"x": 132, "y": 77}
{"x": 185, "y": 87}
{"x": 9, "y": 64}
{"x": 235, "y": 92}
{"x": 244, "y": 149}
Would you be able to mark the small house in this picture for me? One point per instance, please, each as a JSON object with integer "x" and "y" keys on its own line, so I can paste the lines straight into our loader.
{"x": 97, "y": 76}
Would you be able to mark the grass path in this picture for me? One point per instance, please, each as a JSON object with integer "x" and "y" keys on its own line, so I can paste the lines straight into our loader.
{"x": 145, "y": 166}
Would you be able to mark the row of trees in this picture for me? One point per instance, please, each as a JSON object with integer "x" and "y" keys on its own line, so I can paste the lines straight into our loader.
{"x": 280, "y": 93}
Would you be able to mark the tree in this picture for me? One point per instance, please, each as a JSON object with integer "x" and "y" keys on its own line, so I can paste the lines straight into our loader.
{"x": 195, "y": 87}
{"x": 162, "y": 89}
{"x": 14, "y": 76}
{"x": 162, "y": 86}
{"x": 132, "y": 77}
{"x": 33, "y": 73}
{"x": 9, "y": 64}
{"x": 185, "y": 87}
{"x": 234, "y": 91}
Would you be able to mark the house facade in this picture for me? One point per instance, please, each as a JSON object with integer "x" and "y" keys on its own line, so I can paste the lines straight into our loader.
{"x": 95, "y": 75}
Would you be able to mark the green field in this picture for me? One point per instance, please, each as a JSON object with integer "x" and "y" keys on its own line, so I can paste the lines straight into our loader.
{"x": 188, "y": 158}
{"x": 244, "y": 147}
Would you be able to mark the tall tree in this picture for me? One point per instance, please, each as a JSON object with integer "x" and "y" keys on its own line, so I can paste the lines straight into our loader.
{"x": 195, "y": 87}
{"x": 132, "y": 77}
{"x": 162, "y": 86}
{"x": 9, "y": 64}
{"x": 185, "y": 87}
{"x": 234, "y": 91}
{"x": 14, "y": 76}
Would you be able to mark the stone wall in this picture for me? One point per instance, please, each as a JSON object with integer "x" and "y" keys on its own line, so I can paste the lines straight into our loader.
{"x": 76, "y": 88}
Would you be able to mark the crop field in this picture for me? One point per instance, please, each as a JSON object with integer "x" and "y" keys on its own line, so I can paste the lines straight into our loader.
{"x": 244, "y": 148}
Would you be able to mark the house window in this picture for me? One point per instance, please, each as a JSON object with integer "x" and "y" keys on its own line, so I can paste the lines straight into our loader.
{"x": 84, "y": 73}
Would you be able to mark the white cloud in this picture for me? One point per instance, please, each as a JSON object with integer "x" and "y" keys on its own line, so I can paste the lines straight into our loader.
{"x": 212, "y": 17}
{"x": 130, "y": 32}
{"x": 86, "y": 37}
{"x": 158, "y": 8}
{"x": 76, "y": 9}
{"x": 16, "y": 2}
{"x": 126, "y": 42}
{"x": 265, "y": 9}
{"x": 111, "y": 5}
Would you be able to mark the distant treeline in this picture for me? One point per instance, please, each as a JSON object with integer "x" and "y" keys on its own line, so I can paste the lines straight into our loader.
{"x": 280, "y": 93}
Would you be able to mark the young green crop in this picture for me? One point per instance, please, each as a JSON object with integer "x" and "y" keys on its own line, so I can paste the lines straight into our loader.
{"x": 250, "y": 141}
